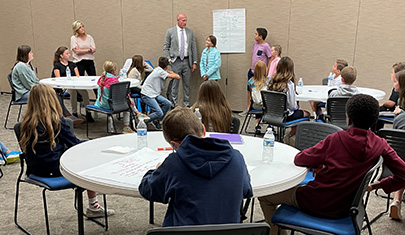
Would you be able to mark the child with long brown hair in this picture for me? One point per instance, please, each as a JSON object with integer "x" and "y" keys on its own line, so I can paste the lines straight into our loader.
{"x": 45, "y": 136}
{"x": 137, "y": 72}
{"x": 215, "y": 111}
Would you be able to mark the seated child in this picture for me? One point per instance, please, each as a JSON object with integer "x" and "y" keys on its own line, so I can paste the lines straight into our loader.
{"x": 390, "y": 104}
{"x": 215, "y": 111}
{"x": 152, "y": 88}
{"x": 204, "y": 180}
{"x": 10, "y": 156}
{"x": 137, "y": 73}
{"x": 45, "y": 136}
{"x": 274, "y": 59}
{"x": 337, "y": 80}
{"x": 103, "y": 94}
{"x": 340, "y": 161}
{"x": 348, "y": 76}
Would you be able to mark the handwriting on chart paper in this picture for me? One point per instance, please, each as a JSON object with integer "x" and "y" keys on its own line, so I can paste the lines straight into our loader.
{"x": 127, "y": 170}
{"x": 133, "y": 166}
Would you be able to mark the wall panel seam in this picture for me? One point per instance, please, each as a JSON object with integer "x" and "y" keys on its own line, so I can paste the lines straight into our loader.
{"x": 357, "y": 33}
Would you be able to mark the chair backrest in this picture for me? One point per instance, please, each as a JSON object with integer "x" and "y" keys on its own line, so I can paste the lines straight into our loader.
{"x": 396, "y": 139}
{"x": 325, "y": 81}
{"x": 274, "y": 107}
{"x": 358, "y": 210}
{"x": 336, "y": 111}
{"x": 10, "y": 81}
{"x": 119, "y": 97}
{"x": 214, "y": 229}
{"x": 235, "y": 125}
{"x": 310, "y": 133}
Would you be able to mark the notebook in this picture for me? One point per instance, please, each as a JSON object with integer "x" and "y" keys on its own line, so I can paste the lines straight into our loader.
{"x": 232, "y": 138}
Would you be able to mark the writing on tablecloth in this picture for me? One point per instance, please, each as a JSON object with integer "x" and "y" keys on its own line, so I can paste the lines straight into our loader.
{"x": 127, "y": 170}
{"x": 134, "y": 167}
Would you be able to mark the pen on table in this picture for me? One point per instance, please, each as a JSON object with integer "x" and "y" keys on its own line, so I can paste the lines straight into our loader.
{"x": 165, "y": 149}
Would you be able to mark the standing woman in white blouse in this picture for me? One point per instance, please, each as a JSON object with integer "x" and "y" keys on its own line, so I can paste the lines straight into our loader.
{"x": 83, "y": 48}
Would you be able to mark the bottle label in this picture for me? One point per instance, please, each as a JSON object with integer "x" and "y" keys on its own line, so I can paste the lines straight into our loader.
{"x": 268, "y": 143}
{"x": 142, "y": 132}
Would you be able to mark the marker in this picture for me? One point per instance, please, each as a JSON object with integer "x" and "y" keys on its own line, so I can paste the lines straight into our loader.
{"x": 165, "y": 149}
{"x": 93, "y": 79}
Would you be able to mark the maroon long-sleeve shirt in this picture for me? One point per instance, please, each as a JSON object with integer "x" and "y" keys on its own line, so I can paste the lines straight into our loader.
{"x": 345, "y": 156}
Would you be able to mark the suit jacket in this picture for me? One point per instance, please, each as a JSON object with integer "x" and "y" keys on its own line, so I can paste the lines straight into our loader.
{"x": 172, "y": 45}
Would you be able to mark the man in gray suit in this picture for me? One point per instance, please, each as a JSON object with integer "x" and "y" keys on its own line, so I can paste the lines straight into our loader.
{"x": 181, "y": 50}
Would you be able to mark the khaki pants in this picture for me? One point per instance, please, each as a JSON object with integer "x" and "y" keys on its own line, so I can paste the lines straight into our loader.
{"x": 270, "y": 203}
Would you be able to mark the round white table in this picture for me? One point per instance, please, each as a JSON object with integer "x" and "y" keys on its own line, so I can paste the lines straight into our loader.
{"x": 320, "y": 93}
{"x": 266, "y": 179}
{"x": 81, "y": 83}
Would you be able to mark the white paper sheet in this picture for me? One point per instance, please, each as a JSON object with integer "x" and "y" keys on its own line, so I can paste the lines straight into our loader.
{"x": 229, "y": 28}
{"x": 127, "y": 170}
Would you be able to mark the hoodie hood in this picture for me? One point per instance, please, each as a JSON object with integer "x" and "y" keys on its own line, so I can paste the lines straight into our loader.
{"x": 205, "y": 156}
{"x": 366, "y": 142}
{"x": 347, "y": 90}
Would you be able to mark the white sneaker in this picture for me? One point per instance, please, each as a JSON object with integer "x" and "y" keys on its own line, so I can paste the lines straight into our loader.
{"x": 98, "y": 213}
{"x": 142, "y": 116}
{"x": 395, "y": 210}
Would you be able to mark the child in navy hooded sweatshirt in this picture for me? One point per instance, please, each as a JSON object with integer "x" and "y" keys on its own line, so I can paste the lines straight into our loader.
{"x": 204, "y": 180}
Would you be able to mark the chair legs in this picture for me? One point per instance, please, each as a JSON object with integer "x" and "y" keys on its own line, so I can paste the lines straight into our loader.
{"x": 17, "y": 191}
{"x": 8, "y": 114}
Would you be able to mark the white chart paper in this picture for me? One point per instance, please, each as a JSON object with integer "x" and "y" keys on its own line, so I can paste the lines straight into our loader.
{"x": 229, "y": 29}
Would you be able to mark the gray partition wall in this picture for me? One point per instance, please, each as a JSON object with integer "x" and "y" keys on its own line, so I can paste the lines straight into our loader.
{"x": 367, "y": 33}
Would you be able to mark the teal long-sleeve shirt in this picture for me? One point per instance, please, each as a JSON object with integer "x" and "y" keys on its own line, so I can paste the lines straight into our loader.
{"x": 23, "y": 78}
{"x": 212, "y": 65}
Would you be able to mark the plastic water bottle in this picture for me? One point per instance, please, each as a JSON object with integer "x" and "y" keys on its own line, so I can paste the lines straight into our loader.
{"x": 68, "y": 73}
{"x": 268, "y": 146}
{"x": 198, "y": 114}
{"x": 121, "y": 74}
{"x": 142, "y": 133}
{"x": 330, "y": 79}
{"x": 300, "y": 86}
{"x": 110, "y": 124}
{"x": 124, "y": 74}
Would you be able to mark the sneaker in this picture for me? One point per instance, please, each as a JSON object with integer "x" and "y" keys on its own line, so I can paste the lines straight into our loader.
{"x": 143, "y": 116}
{"x": 2, "y": 162}
{"x": 98, "y": 213}
{"x": 12, "y": 156}
{"x": 243, "y": 113}
{"x": 151, "y": 126}
{"x": 127, "y": 130}
{"x": 395, "y": 210}
{"x": 157, "y": 125}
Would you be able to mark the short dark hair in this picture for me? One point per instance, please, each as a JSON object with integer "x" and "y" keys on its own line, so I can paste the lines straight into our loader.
{"x": 163, "y": 62}
{"x": 362, "y": 111}
{"x": 398, "y": 67}
{"x": 262, "y": 32}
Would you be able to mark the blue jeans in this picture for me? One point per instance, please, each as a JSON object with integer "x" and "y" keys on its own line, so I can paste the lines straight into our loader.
{"x": 3, "y": 148}
{"x": 154, "y": 104}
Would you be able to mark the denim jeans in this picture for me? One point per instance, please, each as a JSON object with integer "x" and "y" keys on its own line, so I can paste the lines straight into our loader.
{"x": 154, "y": 104}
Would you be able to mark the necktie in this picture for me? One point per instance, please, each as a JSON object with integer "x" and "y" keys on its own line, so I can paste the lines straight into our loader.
{"x": 182, "y": 45}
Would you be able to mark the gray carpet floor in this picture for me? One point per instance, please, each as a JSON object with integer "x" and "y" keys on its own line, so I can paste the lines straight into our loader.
{"x": 132, "y": 214}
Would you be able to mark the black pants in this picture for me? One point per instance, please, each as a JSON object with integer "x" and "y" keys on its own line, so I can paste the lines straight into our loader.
{"x": 87, "y": 66}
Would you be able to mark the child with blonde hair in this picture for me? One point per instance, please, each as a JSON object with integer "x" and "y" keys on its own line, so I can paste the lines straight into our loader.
{"x": 109, "y": 77}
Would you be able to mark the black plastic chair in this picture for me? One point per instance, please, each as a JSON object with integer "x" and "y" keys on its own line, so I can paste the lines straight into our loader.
{"x": 291, "y": 218}
{"x": 336, "y": 111}
{"x": 13, "y": 102}
{"x": 275, "y": 111}
{"x": 309, "y": 134}
{"x": 214, "y": 229}
{"x": 235, "y": 125}
{"x": 396, "y": 139}
{"x": 118, "y": 103}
